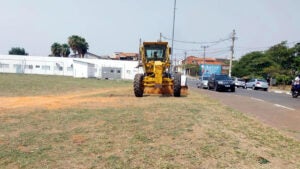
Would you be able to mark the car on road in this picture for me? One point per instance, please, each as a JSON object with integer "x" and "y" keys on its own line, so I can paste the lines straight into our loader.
{"x": 220, "y": 82}
{"x": 239, "y": 82}
{"x": 203, "y": 82}
{"x": 257, "y": 84}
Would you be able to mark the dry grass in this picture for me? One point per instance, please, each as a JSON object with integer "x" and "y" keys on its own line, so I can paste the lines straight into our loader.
{"x": 130, "y": 132}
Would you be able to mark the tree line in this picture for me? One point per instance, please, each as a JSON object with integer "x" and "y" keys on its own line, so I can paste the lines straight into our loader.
{"x": 78, "y": 45}
{"x": 279, "y": 62}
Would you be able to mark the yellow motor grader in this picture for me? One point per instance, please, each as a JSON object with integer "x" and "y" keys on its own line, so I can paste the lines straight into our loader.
{"x": 156, "y": 79}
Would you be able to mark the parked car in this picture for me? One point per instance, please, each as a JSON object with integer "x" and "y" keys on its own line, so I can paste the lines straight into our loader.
{"x": 220, "y": 82}
{"x": 203, "y": 82}
{"x": 239, "y": 82}
{"x": 257, "y": 84}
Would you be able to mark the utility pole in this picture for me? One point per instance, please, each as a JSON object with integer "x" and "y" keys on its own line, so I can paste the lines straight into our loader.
{"x": 203, "y": 65}
{"x": 232, "y": 52}
{"x": 184, "y": 63}
{"x": 139, "y": 56}
{"x": 173, "y": 31}
{"x": 160, "y": 37}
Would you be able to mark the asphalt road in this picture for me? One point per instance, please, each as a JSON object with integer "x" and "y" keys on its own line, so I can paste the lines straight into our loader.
{"x": 283, "y": 100}
{"x": 278, "y": 110}
{"x": 280, "y": 99}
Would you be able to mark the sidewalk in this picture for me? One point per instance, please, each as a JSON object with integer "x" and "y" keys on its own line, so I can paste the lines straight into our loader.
{"x": 274, "y": 89}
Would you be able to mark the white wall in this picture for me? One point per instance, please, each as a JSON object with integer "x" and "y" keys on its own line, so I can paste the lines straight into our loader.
{"x": 75, "y": 67}
{"x": 128, "y": 67}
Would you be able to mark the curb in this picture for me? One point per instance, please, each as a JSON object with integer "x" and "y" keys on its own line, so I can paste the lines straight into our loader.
{"x": 280, "y": 92}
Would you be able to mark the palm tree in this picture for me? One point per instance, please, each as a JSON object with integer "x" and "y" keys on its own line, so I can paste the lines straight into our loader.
{"x": 56, "y": 49}
{"x": 78, "y": 45}
{"x": 65, "y": 50}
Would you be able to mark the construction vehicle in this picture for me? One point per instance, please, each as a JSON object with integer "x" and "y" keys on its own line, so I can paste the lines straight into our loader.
{"x": 157, "y": 78}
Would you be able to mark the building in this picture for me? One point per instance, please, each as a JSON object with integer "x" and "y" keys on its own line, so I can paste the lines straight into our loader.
{"x": 126, "y": 56}
{"x": 76, "y": 67}
{"x": 89, "y": 55}
{"x": 211, "y": 61}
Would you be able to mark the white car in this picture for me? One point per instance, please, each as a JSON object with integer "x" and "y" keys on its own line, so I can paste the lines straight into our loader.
{"x": 239, "y": 82}
{"x": 203, "y": 82}
{"x": 257, "y": 84}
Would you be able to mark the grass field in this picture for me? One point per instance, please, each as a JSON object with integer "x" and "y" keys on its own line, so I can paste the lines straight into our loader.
{"x": 62, "y": 122}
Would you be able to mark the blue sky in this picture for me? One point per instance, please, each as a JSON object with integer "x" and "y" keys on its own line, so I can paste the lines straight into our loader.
{"x": 117, "y": 25}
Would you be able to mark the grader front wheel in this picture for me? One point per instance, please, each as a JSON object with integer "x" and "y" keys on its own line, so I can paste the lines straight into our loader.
{"x": 138, "y": 85}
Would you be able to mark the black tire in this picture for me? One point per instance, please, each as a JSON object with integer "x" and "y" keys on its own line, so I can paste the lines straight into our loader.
{"x": 138, "y": 85}
{"x": 294, "y": 94}
{"x": 232, "y": 89}
{"x": 216, "y": 87}
{"x": 177, "y": 85}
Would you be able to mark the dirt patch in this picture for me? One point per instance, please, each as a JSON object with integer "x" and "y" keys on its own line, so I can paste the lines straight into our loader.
{"x": 101, "y": 97}
{"x": 78, "y": 139}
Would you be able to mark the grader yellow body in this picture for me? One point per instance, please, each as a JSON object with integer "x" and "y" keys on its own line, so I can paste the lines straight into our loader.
{"x": 156, "y": 79}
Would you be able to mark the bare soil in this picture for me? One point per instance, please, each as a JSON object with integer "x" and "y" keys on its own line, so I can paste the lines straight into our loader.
{"x": 52, "y": 102}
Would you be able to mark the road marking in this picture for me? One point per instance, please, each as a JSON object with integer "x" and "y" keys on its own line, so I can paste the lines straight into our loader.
{"x": 257, "y": 99}
{"x": 278, "y": 105}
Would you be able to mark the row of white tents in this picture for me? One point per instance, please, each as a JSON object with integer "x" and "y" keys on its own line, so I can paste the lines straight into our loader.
{"x": 78, "y": 68}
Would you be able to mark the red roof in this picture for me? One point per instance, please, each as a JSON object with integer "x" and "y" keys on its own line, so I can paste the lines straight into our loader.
{"x": 197, "y": 60}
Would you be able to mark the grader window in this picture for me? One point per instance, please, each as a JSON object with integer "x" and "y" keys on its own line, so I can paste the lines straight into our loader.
{"x": 155, "y": 52}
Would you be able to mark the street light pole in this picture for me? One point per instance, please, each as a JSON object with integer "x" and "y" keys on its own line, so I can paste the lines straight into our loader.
{"x": 173, "y": 31}
{"x": 232, "y": 52}
{"x": 204, "y": 47}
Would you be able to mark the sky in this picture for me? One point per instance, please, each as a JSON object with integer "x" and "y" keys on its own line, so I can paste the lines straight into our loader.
{"x": 118, "y": 25}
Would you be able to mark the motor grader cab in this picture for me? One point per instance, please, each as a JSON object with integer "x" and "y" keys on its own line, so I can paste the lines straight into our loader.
{"x": 156, "y": 79}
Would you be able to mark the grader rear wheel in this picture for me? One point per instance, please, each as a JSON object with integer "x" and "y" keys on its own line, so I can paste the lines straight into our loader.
{"x": 177, "y": 85}
{"x": 138, "y": 85}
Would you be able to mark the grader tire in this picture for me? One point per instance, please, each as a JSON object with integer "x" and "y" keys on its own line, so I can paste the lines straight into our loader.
{"x": 177, "y": 85}
{"x": 138, "y": 85}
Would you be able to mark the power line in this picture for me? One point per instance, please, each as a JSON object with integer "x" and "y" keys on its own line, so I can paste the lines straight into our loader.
{"x": 263, "y": 47}
{"x": 207, "y": 49}
{"x": 194, "y": 42}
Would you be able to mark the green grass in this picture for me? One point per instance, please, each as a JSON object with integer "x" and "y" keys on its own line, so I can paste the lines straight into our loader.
{"x": 149, "y": 132}
{"x": 23, "y": 85}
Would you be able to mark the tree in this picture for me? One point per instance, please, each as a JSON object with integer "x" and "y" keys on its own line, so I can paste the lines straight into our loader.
{"x": 65, "y": 50}
{"x": 248, "y": 65}
{"x": 281, "y": 55}
{"x": 78, "y": 45}
{"x": 279, "y": 61}
{"x": 17, "y": 51}
{"x": 295, "y": 65}
{"x": 56, "y": 49}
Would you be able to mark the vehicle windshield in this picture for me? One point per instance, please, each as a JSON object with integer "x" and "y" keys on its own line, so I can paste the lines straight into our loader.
{"x": 222, "y": 77}
{"x": 262, "y": 80}
{"x": 205, "y": 78}
{"x": 155, "y": 52}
